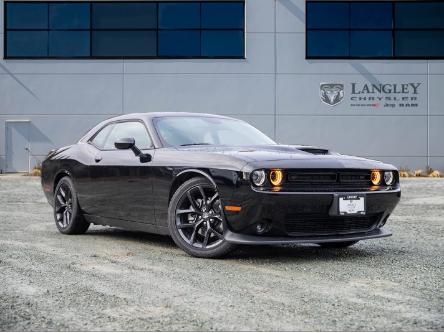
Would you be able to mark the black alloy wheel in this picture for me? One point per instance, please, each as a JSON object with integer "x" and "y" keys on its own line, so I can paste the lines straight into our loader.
{"x": 196, "y": 219}
{"x": 67, "y": 214}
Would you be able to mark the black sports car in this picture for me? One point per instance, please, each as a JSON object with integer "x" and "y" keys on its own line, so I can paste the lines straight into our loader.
{"x": 211, "y": 182}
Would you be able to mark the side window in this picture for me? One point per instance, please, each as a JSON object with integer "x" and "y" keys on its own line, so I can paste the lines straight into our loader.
{"x": 100, "y": 139}
{"x": 131, "y": 129}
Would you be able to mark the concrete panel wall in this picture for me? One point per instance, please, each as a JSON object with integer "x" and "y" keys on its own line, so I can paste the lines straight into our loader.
{"x": 275, "y": 88}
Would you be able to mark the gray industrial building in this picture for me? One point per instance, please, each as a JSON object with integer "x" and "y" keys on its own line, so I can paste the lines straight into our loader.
{"x": 385, "y": 106}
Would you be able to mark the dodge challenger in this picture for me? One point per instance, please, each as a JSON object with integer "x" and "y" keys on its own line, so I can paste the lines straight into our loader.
{"x": 212, "y": 182}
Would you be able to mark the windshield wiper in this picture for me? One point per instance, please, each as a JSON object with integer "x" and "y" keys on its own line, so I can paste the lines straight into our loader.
{"x": 195, "y": 144}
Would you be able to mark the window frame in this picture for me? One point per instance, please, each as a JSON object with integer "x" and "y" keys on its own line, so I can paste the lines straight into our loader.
{"x": 135, "y": 120}
{"x": 393, "y": 32}
{"x": 157, "y": 29}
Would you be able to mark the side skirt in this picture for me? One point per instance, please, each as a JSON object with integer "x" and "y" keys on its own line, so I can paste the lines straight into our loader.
{"x": 123, "y": 224}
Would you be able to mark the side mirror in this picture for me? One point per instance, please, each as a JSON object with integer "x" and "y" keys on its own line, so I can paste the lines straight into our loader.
{"x": 125, "y": 143}
{"x": 130, "y": 143}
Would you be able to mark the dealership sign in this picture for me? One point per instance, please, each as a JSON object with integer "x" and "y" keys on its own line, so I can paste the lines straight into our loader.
{"x": 386, "y": 95}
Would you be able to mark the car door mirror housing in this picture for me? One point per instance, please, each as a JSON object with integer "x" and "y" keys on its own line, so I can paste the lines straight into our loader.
{"x": 125, "y": 143}
{"x": 130, "y": 143}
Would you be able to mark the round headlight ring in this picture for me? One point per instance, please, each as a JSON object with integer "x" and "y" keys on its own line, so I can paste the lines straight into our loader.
{"x": 258, "y": 177}
{"x": 276, "y": 177}
{"x": 389, "y": 178}
{"x": 376, "y": 177}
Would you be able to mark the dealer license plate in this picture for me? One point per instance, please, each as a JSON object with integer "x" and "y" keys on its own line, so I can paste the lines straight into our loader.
{"x": 352, "y": 205}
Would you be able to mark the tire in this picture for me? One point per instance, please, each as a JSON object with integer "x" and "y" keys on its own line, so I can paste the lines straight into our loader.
{"x": 337, "y": 245}
{"x": 195, "y": 220}
{"x": 67, "y": 215}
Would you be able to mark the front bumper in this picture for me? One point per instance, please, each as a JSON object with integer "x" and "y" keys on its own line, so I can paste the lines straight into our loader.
{"x": 235, "y": 238}
{"x": 305, "y": 217}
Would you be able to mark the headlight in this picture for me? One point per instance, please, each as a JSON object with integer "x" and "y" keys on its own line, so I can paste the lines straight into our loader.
{"x": 258, "y": 177}
{"x": 388, "y": 177}
{"x": 276, "y": 177}
{"x": 376, "y": 177}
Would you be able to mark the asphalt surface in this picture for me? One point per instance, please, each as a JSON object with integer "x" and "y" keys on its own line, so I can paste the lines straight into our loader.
{"x": 109, "y": 279}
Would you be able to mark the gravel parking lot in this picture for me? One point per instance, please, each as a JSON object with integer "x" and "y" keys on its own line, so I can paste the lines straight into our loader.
{"x": 115, "y": 280}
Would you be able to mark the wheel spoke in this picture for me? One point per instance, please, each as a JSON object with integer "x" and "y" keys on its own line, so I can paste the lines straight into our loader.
{"x": 185, "y": 211}
{"x": 65, "y": 222}
{"x": 218, "y": 235}
{"x": 62, "y": 192}
{"x": 193, "y": 236}
{"x": 60, "y": 199}
{"x": 62, "y": 207}
{"x": 192, "y": 202}
{"x": 207, "y": 237}
{"x": 214, "y": 197}
{"x": 202, "y": 193}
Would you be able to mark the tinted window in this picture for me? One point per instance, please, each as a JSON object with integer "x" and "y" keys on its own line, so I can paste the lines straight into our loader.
{"x": 375, "y": 29}
{"x": 69, "y": 43}
{"x": 100, "y": 139}
{"x": 27, "y": 43}
{"x": 222, "y": 43}
{"x": 419, "y": 44}
{"x": 124, "y": 43}
{"x": 179, "y": 15}
{"x": 133, "y": 29}
{"x": 371, "y": 15}
{"x": 371, "y": 43}
{"x": 179, "y": 43}
{"x": 419, "y": 15}
{"x": 328, "y": 43}
{"x": 222, "y": 15}
{"x": 134, "y": 130}
{"x": 323, "y": 15}
{"x": 69, "y": 16}
{"x": 27, "y": 15}
{"x": 124, "y": 15}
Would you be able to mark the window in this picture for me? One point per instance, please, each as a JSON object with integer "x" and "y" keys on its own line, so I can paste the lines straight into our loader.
{"x": 184, "y": 131}
{"x": 133, "y": 29}
{"x": 374, "y": 29}
{"x": 107, "y": 136}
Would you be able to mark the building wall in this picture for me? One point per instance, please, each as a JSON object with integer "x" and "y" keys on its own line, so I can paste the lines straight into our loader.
{"x": 275, "y": 89}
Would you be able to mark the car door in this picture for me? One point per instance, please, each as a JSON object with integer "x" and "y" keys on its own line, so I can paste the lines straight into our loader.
{"x": 120, "y": 184}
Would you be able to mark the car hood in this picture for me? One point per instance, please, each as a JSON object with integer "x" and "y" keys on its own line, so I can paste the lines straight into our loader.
{"x": 289, "y": 156}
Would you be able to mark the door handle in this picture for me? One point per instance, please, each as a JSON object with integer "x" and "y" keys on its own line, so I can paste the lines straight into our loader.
{"x": 97, "y": 158}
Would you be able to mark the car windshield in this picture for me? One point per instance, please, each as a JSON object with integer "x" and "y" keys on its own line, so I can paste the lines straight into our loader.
{"x": 189, "y": 131}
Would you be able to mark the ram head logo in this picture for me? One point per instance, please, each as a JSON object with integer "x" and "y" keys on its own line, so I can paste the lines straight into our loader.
{"x": 331, "y": 93}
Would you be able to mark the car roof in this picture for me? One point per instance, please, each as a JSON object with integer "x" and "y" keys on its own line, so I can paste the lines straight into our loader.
{"x": 151, "y": 115}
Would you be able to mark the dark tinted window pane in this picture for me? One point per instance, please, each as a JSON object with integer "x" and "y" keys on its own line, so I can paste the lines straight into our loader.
{"x": 179, "y": 43}
{"x": 179, "y": 15}
{"x": 327, "y": 43}
{"x": 327, "y": 15}
{"x": 222, "y": 43}
{"x": 371, "y": 15}
{"x": 69, "y": 16}
{"x": 27, "y": 43}
{"x": 27, "y": 15}
{"x": 419, "y": 15}
{"x": 124, "y": 15}
{"x": 419, "y": 43}
{"x": 223, "y": 15}
{"x": 69, "y": 43}
{"x": 134, "y": 130}
{"x": 124, "y": 43}
{"x": 371, "y": 44}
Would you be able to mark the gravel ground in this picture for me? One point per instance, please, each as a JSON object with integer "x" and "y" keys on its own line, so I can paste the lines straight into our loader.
{"x": 115, "y": 280}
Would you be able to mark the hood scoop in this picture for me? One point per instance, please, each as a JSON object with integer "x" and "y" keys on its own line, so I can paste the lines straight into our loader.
{"x": 315, "y": 151}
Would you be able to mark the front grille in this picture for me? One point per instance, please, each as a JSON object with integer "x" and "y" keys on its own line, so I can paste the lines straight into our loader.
{"x": 329, "y": 225}
{"x": 329, "y": 180}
